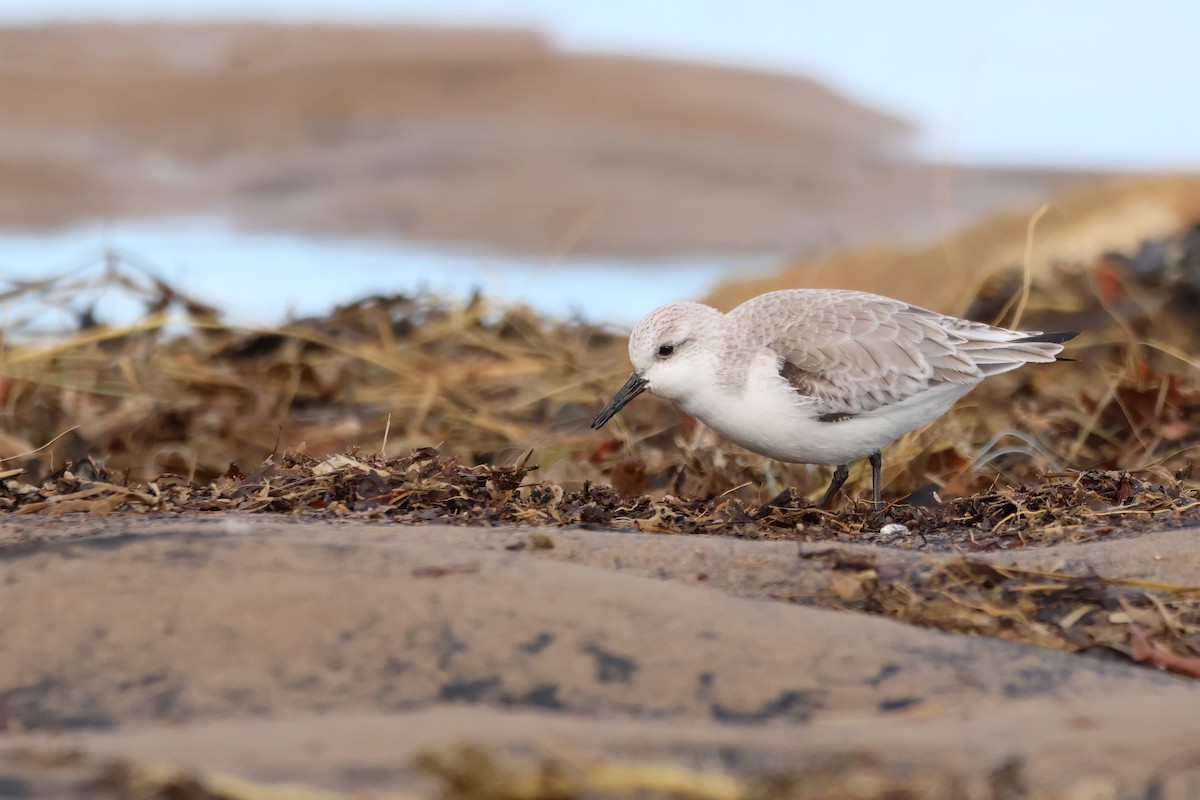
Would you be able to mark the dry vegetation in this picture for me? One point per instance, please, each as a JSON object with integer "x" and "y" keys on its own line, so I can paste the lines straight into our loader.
{"x": 465, "y": 771}
{"x": 181, "y": 392}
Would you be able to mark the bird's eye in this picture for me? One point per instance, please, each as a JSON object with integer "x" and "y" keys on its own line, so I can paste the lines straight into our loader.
{"x": 666, "y": 350}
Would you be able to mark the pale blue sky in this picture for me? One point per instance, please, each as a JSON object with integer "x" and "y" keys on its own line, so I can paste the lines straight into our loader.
{"x": 1082, "y": 83}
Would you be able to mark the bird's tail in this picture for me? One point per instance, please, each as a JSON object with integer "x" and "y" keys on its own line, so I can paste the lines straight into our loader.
{"x": 1000, "y": 353}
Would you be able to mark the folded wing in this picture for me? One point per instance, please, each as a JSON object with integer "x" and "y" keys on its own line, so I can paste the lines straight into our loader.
{"x": 855, "y": 353}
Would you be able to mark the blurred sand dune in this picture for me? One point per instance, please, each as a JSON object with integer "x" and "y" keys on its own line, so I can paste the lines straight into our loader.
{"x": 492, "y": 137}
{"x": 1071, "y": 232}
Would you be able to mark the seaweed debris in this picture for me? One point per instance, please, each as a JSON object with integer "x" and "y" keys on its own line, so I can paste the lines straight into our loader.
{"x": 181, "y": 391}
{"x": 1146, "y": 622}
{"x": 466, "y": 770}
{"x": 427, "y": 487}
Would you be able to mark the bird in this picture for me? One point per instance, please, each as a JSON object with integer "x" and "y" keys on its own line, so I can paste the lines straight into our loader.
{"x": 819, "y": 376}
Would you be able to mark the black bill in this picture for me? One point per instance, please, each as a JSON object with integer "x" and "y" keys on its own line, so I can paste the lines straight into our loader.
{"x": 632, "y": 388}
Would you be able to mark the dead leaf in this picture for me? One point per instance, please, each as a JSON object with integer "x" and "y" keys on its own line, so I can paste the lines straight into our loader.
{"x": 1143, "y": 651}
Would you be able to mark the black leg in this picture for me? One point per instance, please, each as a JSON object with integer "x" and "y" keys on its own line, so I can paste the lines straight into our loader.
{"x": 876, "y": 479}
{"x": 840, "y": 474}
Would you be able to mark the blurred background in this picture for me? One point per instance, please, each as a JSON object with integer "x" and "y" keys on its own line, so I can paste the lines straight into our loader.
{"x": 243, "y": 168}
{"x": 593, "y": 157}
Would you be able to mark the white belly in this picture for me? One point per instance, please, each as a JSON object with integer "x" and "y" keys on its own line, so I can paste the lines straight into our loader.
{"x": 769, "y": 418}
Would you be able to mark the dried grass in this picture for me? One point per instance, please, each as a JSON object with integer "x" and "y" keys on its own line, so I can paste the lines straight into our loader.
{"x": 1146, "y": 622}
{"x": 179, "y": 391}
{"x": 465, "y": 771}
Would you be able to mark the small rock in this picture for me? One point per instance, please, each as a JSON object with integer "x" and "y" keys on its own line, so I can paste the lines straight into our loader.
{"x": 893, "y": 529}
{"x": 540, "y": 541}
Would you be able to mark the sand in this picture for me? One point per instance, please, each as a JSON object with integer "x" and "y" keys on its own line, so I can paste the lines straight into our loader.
{"x": 331, "y": 654}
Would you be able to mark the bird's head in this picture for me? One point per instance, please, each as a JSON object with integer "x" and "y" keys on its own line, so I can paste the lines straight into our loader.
{"x": 672, "y": 355}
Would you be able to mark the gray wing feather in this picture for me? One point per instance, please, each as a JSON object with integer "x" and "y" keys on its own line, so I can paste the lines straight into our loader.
{"x": 854, "y": 352}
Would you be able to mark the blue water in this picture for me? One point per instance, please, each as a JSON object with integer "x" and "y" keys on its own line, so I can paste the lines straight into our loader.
{"x": 264, "y": 278}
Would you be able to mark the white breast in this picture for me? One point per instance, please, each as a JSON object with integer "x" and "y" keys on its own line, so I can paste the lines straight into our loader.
{"x": 771, "y": 419}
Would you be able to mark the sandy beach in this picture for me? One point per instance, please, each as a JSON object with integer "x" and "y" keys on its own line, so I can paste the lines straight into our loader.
{"x": 334, "y": 654}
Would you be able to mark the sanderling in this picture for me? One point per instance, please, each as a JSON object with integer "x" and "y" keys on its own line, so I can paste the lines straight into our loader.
{"x": 818, "y": 376}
